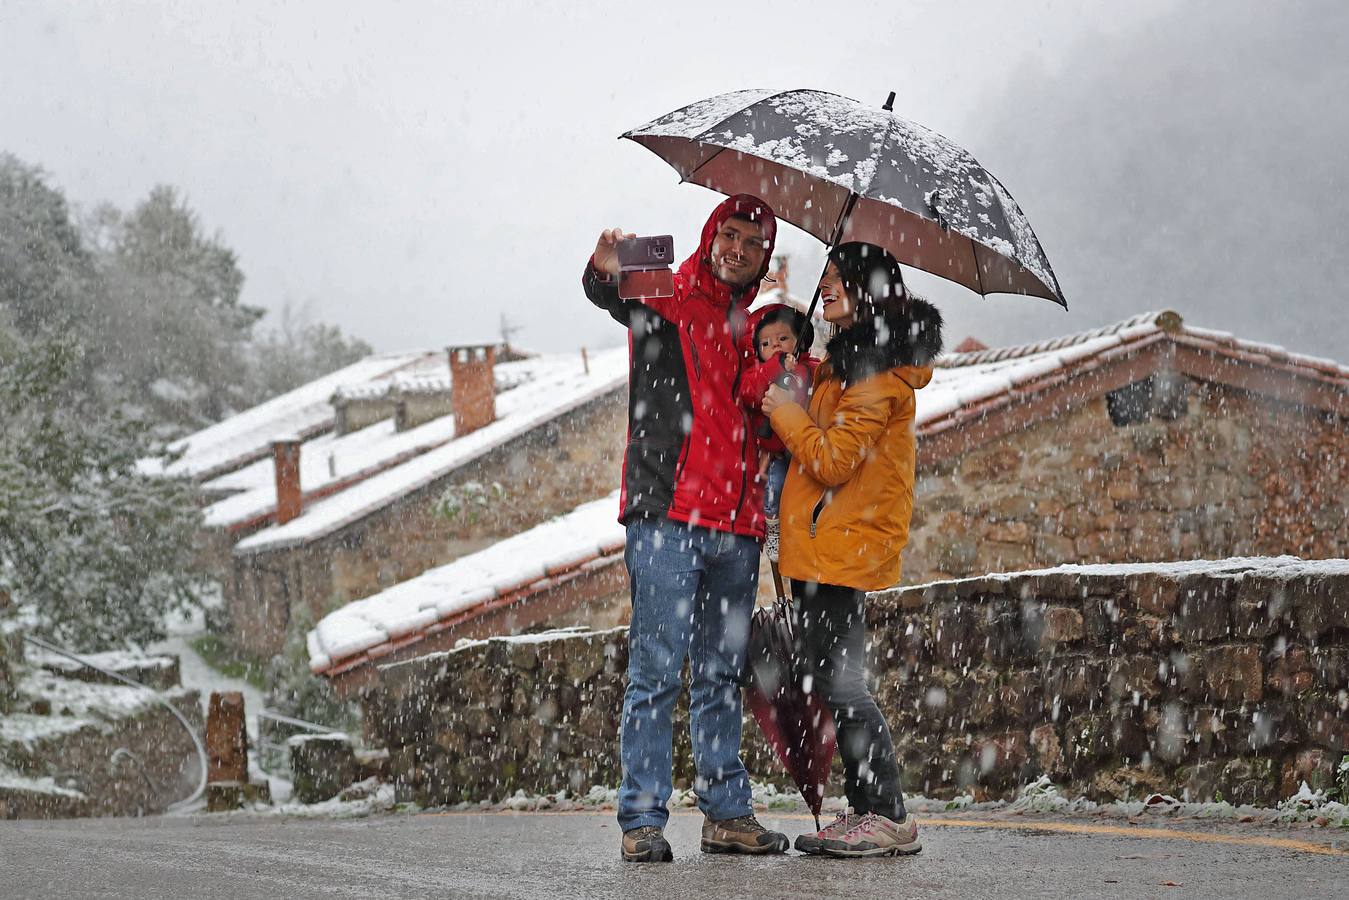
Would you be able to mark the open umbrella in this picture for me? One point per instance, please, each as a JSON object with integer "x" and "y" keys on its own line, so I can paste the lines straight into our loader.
{"x": 843, "y": 171}
{"x": 795, "y": 721}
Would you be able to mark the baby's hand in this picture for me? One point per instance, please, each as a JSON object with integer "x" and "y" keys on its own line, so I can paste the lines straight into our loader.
{"x": 789, "y": 361}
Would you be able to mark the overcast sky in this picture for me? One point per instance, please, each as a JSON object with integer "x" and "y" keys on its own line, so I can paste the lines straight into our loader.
{"x": 413, "y": 170}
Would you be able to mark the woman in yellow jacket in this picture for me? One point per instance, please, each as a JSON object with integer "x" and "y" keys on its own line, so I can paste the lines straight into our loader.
{"x": 845, "y": 518}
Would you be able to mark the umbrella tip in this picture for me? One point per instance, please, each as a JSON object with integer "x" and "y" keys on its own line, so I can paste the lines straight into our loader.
{"x": 889, "y": 105}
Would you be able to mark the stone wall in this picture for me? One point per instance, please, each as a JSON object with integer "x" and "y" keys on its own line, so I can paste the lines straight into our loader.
{"x": 1198, "y": 680}
{"x": 548, "y": 472}
{"x": 1236, "y": 475}
{"x": 161, "y": 767}
{"x": 77, "y": 746}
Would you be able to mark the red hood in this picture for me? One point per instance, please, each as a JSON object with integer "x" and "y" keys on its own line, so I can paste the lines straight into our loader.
{"x": 697, "y": 268}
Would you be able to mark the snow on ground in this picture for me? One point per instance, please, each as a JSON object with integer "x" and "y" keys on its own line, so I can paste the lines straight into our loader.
{"x": 582, "y": 534}
{"x": 113, "y": 660}
{"x": 195, "y": 673}
{"x": 11, "y": 780}
{"x": 564, "y": 387}
{"x": 74, "y": 705}
{"x": 1038, "y": 798}
{"x": 199, "y": 676}
{"x": 357, "y": 801}
{"x": 26, "y": 728}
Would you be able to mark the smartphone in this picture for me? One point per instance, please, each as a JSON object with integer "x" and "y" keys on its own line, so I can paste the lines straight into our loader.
{"x": 639, "y": 253}
{"x": 644, "y": 267}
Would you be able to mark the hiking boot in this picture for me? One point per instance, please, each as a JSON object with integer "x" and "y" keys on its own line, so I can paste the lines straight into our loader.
{"x": 876, "y": 836}
{"x": 646, "y": 844}
{"x": 842, "y": 824}
{"x": 772, "y": 539}
{"x": 742, "y": 834}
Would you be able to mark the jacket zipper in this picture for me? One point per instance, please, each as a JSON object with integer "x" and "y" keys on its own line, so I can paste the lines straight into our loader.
{"x": 744, "y": 417}
{"x": 819, "y": 508}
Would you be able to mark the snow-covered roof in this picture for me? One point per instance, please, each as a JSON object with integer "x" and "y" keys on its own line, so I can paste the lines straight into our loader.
{"x": 962, "y": 380}
{"x": 964, "y": 383}
{"x": 305, "y": 411}
{"x": 331, "y": 462}
{"x": 547, "y": 387}
{"x": 411, "y": 608}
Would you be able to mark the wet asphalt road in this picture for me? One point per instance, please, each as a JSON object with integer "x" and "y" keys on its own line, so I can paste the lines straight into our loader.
{"x": 576, "y": 855}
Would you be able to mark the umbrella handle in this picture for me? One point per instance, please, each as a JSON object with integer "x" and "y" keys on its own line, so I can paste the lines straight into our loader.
{"x": 785, "y": 610}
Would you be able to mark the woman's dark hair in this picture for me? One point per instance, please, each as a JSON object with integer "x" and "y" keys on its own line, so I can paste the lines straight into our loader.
{"x": 793, "y": 319}
{"x": 891, "y": 327}
{"x": 872, "y": 278}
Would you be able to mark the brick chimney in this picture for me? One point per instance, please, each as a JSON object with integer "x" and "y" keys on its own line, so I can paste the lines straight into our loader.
{"x": 286, "y": 463}
{"x": 472, "y": 387}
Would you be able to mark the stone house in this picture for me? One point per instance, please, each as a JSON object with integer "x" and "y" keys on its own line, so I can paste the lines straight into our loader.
{"x": 1143, "y": 441}
{"x": 397, "y": 464}
{"x": 1146, "y": 441}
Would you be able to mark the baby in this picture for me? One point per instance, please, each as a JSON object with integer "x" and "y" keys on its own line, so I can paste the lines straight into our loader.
{"x": 775, "y": 343}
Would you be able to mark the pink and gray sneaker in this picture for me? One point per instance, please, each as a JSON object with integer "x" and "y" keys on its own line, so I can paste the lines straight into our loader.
{"x": 813, "y": 844}
{"x": 875, "y": 835}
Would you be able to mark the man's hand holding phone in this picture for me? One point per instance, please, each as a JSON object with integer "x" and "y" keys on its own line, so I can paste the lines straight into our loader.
{"x": 606, "y": 250}
{"x": 641, "y": 263}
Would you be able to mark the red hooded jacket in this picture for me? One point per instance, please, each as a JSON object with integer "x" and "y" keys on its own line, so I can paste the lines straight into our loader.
{"x": 691, "y": 455}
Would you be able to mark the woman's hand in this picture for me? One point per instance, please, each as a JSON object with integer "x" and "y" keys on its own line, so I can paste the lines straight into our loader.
{"x": 774, "y": 397}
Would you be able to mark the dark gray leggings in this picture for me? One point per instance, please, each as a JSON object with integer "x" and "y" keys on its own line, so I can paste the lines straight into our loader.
{"x": 831, "y": 631}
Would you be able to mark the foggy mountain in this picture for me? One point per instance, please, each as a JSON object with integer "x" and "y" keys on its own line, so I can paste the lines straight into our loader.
{"x": 1196, "y": 163}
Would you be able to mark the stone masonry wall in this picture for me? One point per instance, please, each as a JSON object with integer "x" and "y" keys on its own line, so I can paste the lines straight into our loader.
{"x": 1201, "y": 681}
{"x": 548, "y": 472}
{"x": 76, "y": 743}
{"x": 1237, "y": 475}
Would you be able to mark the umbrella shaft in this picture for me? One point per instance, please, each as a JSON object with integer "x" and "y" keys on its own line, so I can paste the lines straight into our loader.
{"x": 834, "y": 238}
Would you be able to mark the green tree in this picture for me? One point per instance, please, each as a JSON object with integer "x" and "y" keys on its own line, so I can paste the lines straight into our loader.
{"x": 296, "y": 351}
{"x": 174, "y": 321}
{"x": 153, "y": 303}
{"x": 44, "y": 268}
{"x": 98, "y": 550}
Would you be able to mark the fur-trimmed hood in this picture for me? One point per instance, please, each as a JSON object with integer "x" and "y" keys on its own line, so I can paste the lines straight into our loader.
{"x": 909, "y": 338}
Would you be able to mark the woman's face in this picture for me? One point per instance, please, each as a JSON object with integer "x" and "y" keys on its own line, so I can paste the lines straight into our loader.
{"x": 838, "y": 307}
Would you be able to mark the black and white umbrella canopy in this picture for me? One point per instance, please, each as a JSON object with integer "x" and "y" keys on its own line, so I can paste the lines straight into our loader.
{"x": 843, "y": 171}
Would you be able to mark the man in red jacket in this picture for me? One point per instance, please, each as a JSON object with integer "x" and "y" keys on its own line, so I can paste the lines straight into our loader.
{"x": 694, "y": 516}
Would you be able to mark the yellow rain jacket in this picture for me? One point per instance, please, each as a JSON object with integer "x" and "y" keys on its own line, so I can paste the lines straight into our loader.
{"x": 849, "y": 493}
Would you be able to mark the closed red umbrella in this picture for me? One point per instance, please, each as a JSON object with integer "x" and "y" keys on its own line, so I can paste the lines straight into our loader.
{"x": 793, "y": 719}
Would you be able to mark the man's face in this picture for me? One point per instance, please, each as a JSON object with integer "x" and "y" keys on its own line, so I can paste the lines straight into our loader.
{"x": 738, "y": 252}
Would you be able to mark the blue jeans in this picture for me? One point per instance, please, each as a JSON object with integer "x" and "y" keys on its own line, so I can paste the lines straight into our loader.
{"x": 772, "y": 489}
{"x": 693, "y": 592}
